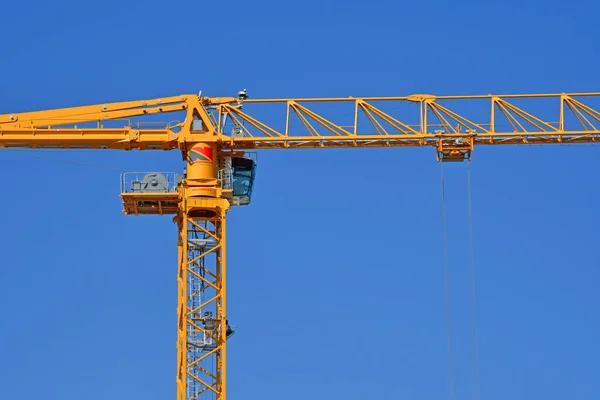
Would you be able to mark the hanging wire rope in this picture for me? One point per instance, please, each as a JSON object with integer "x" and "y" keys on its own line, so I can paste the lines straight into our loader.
{"x": 451, "y": 361}
{"x": 23, "y": 153}
{"x": 476, "y": 375}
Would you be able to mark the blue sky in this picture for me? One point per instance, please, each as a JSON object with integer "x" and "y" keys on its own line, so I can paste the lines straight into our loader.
{"x": 336, "y": 279}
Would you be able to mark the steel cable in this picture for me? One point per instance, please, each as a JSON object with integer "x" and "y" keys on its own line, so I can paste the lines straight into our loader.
{"x": 23, "y": 153}
{"x": 476, "y": 376}
{"x": 451, "y": 361}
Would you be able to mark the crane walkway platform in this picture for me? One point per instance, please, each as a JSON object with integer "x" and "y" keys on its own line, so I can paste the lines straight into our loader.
{"x": 150, "y": 203}
{"x": 149, "y": 193}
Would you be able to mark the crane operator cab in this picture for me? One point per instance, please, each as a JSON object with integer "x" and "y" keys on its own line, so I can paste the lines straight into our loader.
{"x": 238, "y": 175}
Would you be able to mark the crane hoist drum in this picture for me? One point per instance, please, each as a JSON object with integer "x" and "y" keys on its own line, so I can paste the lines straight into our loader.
{"x": 151, "y": 182}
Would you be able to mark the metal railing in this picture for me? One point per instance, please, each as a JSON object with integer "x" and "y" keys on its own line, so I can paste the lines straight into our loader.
{"x": 149, "y": 182}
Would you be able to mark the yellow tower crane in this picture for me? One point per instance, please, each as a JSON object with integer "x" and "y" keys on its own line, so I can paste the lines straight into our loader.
{"x": 215, "y": 140}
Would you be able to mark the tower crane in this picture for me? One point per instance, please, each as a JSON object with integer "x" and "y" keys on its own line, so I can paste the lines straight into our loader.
{"x": 219, "y": 137}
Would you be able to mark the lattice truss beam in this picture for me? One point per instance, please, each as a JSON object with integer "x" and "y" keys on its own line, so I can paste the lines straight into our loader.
{"x": 415, "y": 120}
{"x": 411, "y": 121}
{"x": 202, "y": 320}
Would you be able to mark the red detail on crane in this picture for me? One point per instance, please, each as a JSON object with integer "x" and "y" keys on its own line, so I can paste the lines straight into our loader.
{"x": 201, "y": 154}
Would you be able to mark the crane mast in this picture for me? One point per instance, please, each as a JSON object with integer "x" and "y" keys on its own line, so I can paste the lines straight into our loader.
{"x": 216, "y": 137}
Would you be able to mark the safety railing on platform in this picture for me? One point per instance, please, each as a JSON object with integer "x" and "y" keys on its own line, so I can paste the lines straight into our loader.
{"x": 149, "y": 182}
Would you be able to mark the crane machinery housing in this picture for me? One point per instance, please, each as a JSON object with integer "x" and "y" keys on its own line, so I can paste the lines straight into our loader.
{"x": 218, "y": 138}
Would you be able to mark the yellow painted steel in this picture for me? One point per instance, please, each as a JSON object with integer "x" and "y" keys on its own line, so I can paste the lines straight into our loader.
{"x": 202, "y": 159}
{"x": 201, "y": 352}
{"x": 423, "y": 120}
{"x": 211, "y": 127}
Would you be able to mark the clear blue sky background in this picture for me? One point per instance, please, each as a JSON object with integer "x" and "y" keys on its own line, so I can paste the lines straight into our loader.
{"x": 336, "y": 280}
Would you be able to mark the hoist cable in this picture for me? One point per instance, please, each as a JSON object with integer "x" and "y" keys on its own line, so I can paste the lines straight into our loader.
{"x": 476, "y": 378}
{"x": 451, "y": 361}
